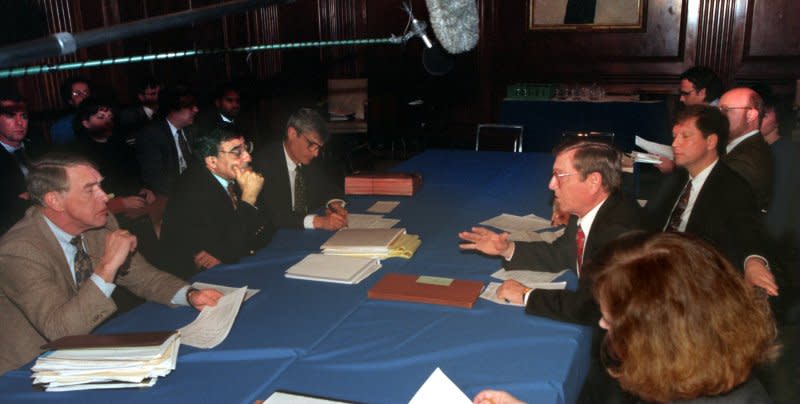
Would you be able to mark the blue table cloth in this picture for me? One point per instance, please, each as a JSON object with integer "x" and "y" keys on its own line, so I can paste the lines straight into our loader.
{"x": 330, "y": 340}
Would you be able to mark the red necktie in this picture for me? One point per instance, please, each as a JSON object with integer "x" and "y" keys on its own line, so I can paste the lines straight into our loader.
{"x": 579, "y": 240}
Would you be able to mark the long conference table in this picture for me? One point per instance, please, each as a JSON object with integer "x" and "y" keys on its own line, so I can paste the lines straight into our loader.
{"x": 330, "y": 340}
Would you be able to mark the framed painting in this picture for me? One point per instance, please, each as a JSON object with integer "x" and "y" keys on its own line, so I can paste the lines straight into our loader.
{"x": 587, "y": 15}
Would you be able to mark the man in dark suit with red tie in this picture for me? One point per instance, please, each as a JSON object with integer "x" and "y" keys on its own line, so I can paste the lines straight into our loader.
{"x": 587, "y": 178}
{"x": 14, "y": 159}
{"x": 211, "y": 217}
{"x": 163, "y": 146}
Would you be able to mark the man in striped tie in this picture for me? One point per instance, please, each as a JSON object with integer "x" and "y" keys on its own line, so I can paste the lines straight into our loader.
{"x": 211, "y": 217}
{"x": 60, "y": 264}
{"x": 708, "y": 199}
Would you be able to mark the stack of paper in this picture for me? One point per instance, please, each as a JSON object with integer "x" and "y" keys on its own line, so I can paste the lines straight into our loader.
{"x": 373, "y": 243}
{"x": 405, "y": 184}
{"x": 89, "y": 362}
{"x": 333, "y": 268}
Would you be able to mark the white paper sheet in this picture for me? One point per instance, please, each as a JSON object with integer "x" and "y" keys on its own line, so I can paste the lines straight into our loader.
{"x": 655, "y": 148}
{"x": 366, "y": 221}
{"x": 213, "y": 324}
{"x": 439, "y": 389}
{"x": 527, "y": 277}
{"x": 280, "y": 397}
{"x": 383, "y": 206}
{"x": 509, "y": 222}
{"x": 225, "y": 289}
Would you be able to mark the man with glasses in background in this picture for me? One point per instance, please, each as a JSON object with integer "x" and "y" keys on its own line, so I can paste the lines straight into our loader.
{"x": 297, "y": 186}
{"x": 211, "y": 217}
{"x": 747, "y": 153}
{"x": 587, "y": 181}
{"x": 73, "y": 92}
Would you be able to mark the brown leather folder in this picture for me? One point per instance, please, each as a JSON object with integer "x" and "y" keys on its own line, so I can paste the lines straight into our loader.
{"x": 109, "y": 341}
{"x": 401, "y": 287}
{"x": 370, "y": 183}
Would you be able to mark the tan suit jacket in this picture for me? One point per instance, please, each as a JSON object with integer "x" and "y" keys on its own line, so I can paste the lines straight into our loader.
{"x": 39, "y": 301}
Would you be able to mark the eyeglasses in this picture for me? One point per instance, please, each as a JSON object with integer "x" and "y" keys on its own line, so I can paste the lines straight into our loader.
{"x": 725, "y": 110}
{"x": 312, "y": 145}
{"x": 238, "y": 150}
{"x": 79, "y": 93}
{"x": 559, "y": 176}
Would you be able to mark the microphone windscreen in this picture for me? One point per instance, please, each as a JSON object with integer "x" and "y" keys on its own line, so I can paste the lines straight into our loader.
{"x": 455, "y": 23}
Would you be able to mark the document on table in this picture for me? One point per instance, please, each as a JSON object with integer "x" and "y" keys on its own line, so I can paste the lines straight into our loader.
{"x": 655, "y": 148}
{"x": 530, "y": 236}
{"x": 527, "y": 277}
{"x": 383, "y": 206}
{"x": 281, "y": 397}
{"x": 509, "y": 222}
{"x": 490, "y": 292}
{"x": 367, "y": 221}
{"x": 213, "y": 324}
{"x": 439, "y": 389}
{"x": 225, "y": 290}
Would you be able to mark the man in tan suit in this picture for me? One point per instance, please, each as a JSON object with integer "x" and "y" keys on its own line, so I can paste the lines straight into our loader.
{"x": 60, "y": 263}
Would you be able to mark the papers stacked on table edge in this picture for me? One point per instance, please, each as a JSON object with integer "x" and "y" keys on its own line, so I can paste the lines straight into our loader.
{"x": 106, "y": 362}
{"x": 333, "y": 268}
{"x": 372, "y": 243}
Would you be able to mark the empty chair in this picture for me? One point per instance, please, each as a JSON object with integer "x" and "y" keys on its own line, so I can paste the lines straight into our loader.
{"x": 497, "y": 137}
{"x": 605, "y": 137}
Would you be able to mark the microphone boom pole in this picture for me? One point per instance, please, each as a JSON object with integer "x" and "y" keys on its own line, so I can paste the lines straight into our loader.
{"x": 64, "y": 43}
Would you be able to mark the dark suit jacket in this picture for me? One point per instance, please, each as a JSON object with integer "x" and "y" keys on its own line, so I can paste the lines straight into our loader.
{"x": 158, "y": 156}
{"x": 276, "y": 197}
{"x": 724, "y": 214}
{"x": 13, "y": 184}
{"x": 753, "y": 161}
{"x": 617, "y": 215}
{"x": 200, "y": 217}
{"x": 39, "y": 301}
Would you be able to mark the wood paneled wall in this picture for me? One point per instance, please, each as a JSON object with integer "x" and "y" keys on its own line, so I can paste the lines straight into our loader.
{"x": 744, "y": 40}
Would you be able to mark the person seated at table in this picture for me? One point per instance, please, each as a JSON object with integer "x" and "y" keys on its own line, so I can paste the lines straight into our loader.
{"x": 587, "y": 178}
{"x": 296, "y": 184}
{"x": 60, "y": 263}
{"x": 211, "y": 217}
{"x": 682, "y": 325}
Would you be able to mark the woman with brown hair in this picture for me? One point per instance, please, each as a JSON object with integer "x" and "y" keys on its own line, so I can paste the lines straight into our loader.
{"x": 682, "y": 324}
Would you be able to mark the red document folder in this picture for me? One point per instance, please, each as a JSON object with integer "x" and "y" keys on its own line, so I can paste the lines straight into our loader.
{"x": 399, "y": 184}
{"x": 401, "y": 287}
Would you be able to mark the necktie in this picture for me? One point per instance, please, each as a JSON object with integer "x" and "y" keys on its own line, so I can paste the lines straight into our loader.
{"x": 232, "y": 195}
{"x": 675, "y": 218}
{"x": 83, "y": 263}
{"x": 185, "y": 151}
{"x": 580, "y": 238}
{"x": 299, "y": 191}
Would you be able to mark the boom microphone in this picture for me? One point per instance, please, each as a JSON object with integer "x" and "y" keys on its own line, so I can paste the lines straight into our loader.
{"x": 455, "y": 23}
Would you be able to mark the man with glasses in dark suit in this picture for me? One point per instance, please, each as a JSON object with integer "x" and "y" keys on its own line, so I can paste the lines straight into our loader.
{"x": 211, "y": 217}
{"x": 296, "y": 184}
